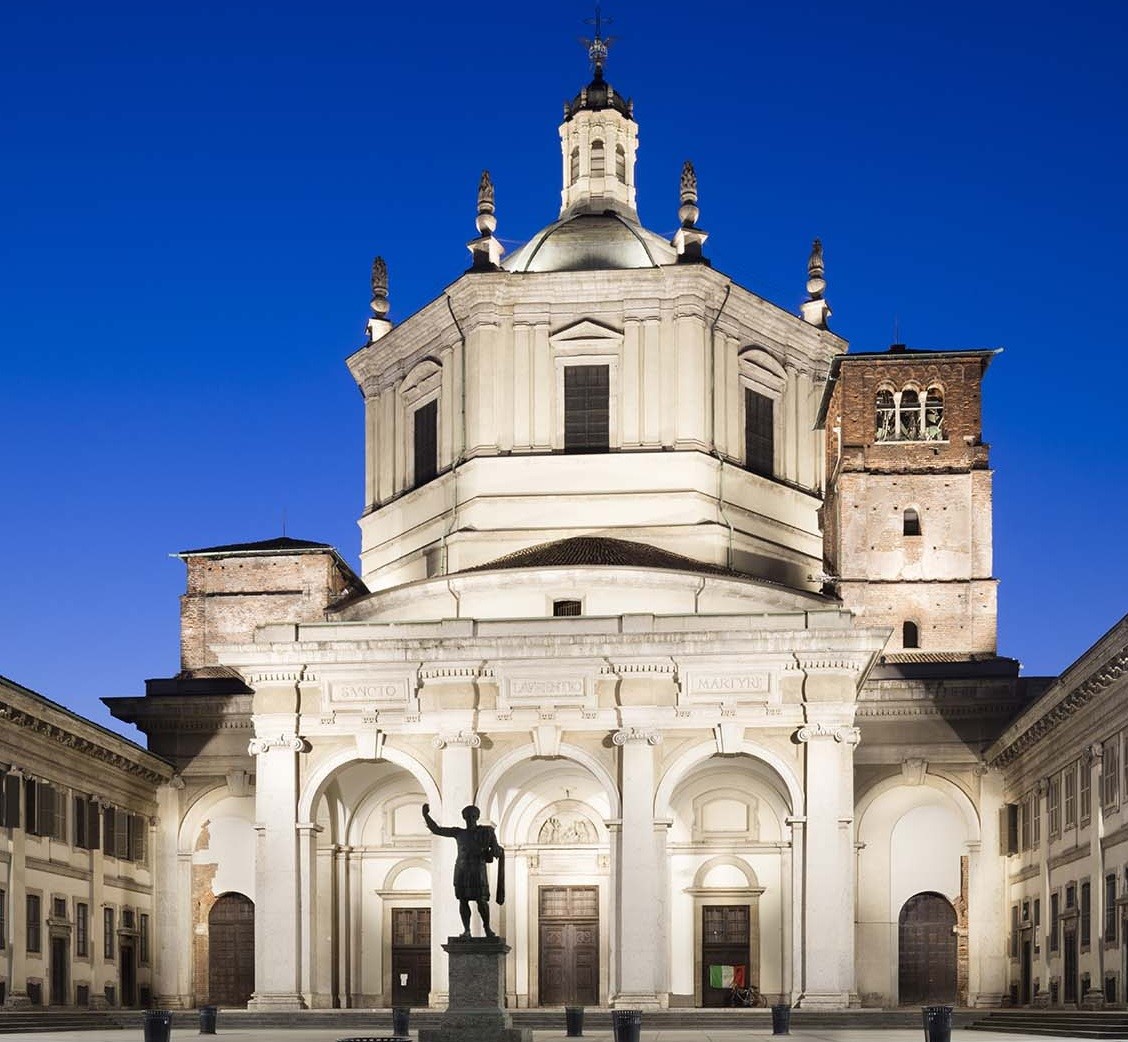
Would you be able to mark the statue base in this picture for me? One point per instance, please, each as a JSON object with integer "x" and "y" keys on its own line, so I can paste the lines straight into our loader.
{"x": 476, "y": 1012}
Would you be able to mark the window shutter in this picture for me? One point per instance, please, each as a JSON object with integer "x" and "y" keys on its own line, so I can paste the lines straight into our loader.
{"x": 94, "y": 821}
{"x": 759, "y": 440}
{"x": 31, "y": 807}
{"x": 587, "y": 408}
{"x": 137, "y": 838}
{"x": 108, "y": 831}
{"x": 12, "y": 801}
{"x": 426, "y": 442}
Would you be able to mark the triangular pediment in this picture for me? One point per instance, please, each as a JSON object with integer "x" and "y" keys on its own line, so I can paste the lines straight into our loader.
{"x": 586, "y": 330}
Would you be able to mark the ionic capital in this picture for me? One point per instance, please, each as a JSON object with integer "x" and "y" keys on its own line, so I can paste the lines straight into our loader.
{"x": 466, "y": 738}
{"x": 636, "y": 736}
{"x": 289, "y": 742}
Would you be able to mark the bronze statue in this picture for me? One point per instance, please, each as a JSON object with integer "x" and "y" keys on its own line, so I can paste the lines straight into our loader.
{"x": 477, "y": 847}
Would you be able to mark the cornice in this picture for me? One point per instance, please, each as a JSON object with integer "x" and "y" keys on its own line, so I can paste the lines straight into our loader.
{"x": 86, "y": 747}
{"x": 1100, "y": 679}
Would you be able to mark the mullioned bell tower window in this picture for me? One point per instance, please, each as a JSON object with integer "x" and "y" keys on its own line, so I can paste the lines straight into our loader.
{"x": 909, "y": 415}
{"x": 587, "y": 408}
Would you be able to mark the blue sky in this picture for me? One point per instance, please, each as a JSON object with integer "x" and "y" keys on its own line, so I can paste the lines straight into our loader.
{"x": 192, "y": 194}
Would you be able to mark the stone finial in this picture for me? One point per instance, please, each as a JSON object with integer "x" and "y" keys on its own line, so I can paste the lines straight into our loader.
{"x": 816, "y": 283}
{"x": 816, "y": 310}
{"x": 689, "y": 239}
{"x": 379, "y": 324}
{"x": 688, "y": 211}
{"x": 487, "y": 222}
{"x": 485, "y": 250}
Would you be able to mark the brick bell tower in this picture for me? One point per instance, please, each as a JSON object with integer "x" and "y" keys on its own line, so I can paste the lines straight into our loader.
{"x": 907, "y": 515}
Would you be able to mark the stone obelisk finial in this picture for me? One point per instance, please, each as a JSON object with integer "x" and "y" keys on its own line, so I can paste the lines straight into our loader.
{"x": 379, "y": 324}
{"x": 485, "y": 250}
{"x": 815, "y": 309}
{"x": 689, "y": 239}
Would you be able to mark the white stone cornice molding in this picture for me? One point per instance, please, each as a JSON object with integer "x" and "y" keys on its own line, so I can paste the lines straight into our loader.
{"x": 913, "y": 770}
{"x": 637, "y": 735}
{"x": 464, "y": 737}
{"x": 817, "y": 729}
{"x": 845, "y": 664}
{"x": 292, "y": 743}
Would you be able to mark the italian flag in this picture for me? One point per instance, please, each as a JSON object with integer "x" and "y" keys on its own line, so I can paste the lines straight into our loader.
{"x": 726, "y": 976}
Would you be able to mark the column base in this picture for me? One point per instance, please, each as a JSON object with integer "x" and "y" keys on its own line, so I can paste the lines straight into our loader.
{"x": 987, "y": 1000}
{"x": 636, "y": 1000}
{"x": 824, "y": 1000}
{"x": 284, "y": 1003}
{"x": 18, "y": 1000}
{"x": 1093, "y": 999}
{"x": 1041, "y": 1000}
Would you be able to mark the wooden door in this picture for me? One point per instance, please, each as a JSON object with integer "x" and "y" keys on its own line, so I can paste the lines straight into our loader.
{"x": 59, "y": 996}
{"x": 927, "y": 951}
{"x": 231, "y": 951}
{"x": 128, "y": 975}
{"x": 411, "y": 956}
{"x": 569, "y": 945}
{"x": 725, "y": 941}
{"x": 1070, "y": 964}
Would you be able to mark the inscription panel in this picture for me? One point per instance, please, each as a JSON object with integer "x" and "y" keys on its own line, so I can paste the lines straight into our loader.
{"x": 715, "y": 685}
{"x": 378, "y": 691}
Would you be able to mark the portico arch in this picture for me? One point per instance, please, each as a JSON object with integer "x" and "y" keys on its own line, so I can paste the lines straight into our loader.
{"x": 325, "y": 769}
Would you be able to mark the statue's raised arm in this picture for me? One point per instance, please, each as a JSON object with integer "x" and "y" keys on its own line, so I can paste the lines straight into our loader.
{"x": 436, "y": 828}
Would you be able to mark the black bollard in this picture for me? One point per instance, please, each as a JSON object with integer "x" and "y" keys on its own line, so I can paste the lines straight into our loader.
{"x": 207, "y": 1019}
{"x": 781, "y": 1019}
{"x": 574, "y": 1021}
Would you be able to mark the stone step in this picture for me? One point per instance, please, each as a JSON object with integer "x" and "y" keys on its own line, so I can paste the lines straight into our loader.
{"x": 1100, "y": 1024}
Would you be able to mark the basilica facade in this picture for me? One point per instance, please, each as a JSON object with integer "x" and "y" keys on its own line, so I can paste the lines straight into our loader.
{"x": 696, "y": 605}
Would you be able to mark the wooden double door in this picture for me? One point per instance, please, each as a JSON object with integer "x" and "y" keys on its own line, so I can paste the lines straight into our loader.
{"x": 231, "y": 951}
{"x": 569, "y": 945}
{"x": 926, "y": 933}
{"x": 726, "y": 935}
{"x": 411, "y": 956}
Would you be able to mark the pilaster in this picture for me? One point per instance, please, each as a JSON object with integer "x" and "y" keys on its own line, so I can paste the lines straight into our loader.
{"x": 166, "y": 884}
{"x": 640, "y": 963}
{"x": 986, "y": 913}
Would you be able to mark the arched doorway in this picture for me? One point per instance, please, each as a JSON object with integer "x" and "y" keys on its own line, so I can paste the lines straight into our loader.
{"x": 231, "y": 950}
{"x": 926, "y": 960}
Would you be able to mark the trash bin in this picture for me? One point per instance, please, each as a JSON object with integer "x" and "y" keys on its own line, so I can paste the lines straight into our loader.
{"x": 401, "y": 1016}
{"x": 627, "y": 1024}
{"x": 781, "y": 1019}
{"x": 937, "y": 1023}
{"x": 158, "y": 1025}
{"x": 207, "y": 1019}
{"x": 574, "y": 1021}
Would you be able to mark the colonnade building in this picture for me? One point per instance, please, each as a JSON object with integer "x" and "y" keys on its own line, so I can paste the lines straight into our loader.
{"x": 696, "y": 605}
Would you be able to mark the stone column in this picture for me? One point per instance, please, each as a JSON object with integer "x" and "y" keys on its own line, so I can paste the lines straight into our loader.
{"x": 324, "y": 928}
{"x": 636, "y": 883}
{"x": 456, "y": 764}
{"x": 276, "y": 873}
{"x": 1096, "y": 859}
{"x": 167, "y": 926}
{"x": 828, "y": 899}
{"x": 307, "y": 935}
{"x": 987, "y": 900}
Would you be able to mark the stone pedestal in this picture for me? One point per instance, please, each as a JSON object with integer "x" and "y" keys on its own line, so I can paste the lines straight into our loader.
{"x": 477, "y": 995}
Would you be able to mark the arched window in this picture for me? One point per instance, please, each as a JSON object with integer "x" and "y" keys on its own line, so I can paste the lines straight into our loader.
{"x": 910, "y": 635}
{"x": 575, "y": 165}
{"x": 909, "y": 415}
{"x": 886, "y": 416}
{"x": 934, "y": 415}
{"x": 620, "y": 164}
{"x": 911, "y": 522}
{"x": 598, "y": 163}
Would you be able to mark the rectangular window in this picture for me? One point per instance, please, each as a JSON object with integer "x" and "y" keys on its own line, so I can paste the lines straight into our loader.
{"x": 1037, "y": 923}
{"x": 10, "y": 804}
{"x": 34, "y": 926}
{"x": 563, "y": 609}
{"x": 123, "y": 834}
{"x": 1055, "y": 916}
{"x": 759, "y": 440}
{"x": 1086, "y": 916}
{"x": 1110, "y": 771}
{"x": 136, "y": 830}
{"x": 59, "y": 908}
{"x": 108, "y": 932}
{"x": 426, "y": 421}
{"x": 1110, "y": 909}
{"x": 1014, "y": 932}
{"x": 45, "y": 810}
{"x": 143, "y": 938}
{"x": 1070, "y": 780}
{"x": 82, "y": 930}
{"x": 1053, "y": 805}
{"x": 1085, "y": 793}
{"x": 1027, "y": 803}
{"x": 86, "y": 820}
{"x": 587, "y": 408}
{"x": 1035, "y": 819}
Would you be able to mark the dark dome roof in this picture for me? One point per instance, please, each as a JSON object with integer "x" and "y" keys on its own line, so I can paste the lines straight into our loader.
{"x": 600, "y": 552}
{"x": 599, "y": 94}
{"x": 592, "y": 242}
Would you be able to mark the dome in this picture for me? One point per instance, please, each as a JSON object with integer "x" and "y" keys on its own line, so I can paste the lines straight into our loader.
{"x": 592, "y": 242}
